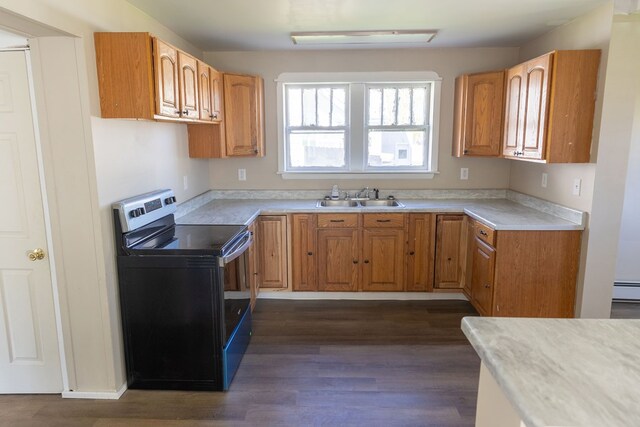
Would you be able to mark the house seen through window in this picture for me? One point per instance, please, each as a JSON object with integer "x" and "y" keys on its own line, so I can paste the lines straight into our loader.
{"x": 355, "y": 126}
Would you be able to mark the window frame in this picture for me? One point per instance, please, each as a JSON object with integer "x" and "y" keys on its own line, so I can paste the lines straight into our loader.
{"x": 356, "y": 119}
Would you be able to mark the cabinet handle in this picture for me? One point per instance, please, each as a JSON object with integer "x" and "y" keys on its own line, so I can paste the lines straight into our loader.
{"x": 336, "y": 220}
{"x": 465, "y": 152}
{"x": 185, "y": 112}
{"x": 255, "y": 150}
{"x": 355, "y": 261}
{"x": 487, "y": 286}
{"x": 366, "y": 261}
{"x": 412, "y": 253}
{"x": 309, "y": 253}
{"x": 383, "y": 220}
{"x": 484, "y": 233}
{"x": 177, "y": 112}
{"x": 448, "y": 259}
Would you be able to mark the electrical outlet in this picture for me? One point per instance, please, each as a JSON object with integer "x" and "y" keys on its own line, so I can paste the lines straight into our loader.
{"x": 544, "y": 180}
{"x": 464, "y": 173}
{"x": 185, "y": 182}
{"x": 577, "y": 185}
{"x": 242, "y": 174}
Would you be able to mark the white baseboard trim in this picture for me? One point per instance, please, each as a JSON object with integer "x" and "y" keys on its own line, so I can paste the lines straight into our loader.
{"x": 365, "y": 296}
{"x": 623, "y": 291}
{"x": 106, "y": 395}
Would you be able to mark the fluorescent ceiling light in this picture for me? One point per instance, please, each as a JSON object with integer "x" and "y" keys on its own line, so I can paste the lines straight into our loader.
{"x": 364, "y": 37}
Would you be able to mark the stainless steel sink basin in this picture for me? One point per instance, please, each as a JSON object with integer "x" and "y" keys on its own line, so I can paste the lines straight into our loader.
{"x": 358, "y": 203}
{"x": 378, "y": 203}
{"x": 338, "y": 204}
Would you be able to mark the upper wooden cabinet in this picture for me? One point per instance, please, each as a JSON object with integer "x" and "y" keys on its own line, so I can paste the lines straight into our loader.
{"x": 478, "y": 112}
{"x": 241, "y": 133}
{"x": 143, "y": 77}
{"x": 209, "y": 85}
{"x": 549, "y": 107}
{"x": 165, "y": 79}
{"x": 243, "y": 106}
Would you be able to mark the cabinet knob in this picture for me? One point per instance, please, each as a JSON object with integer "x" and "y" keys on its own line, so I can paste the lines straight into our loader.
{"x": 465, "y": 152}
{"x": 448, "y": 259}
{"x": 355, "y": 261}
{"x": 255, "y": 150}
{"x": 412, "y": 253}
{"x": 487, "y": 286}
{"x": 366, "y": 261}
{"x": 309, "y": 253}
{"x": 484, "y": 233}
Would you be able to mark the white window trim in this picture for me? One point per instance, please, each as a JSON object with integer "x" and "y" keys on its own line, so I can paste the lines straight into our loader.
{"x": 355, "y": 154}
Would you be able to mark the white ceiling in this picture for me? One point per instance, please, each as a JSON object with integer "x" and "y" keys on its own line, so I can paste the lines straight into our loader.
{"x": 219, "y": 25}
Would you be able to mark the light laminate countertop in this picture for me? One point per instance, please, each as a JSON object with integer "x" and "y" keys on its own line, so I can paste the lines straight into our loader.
{"x": 563, "y": 372}
{"x": 499, "y": 214}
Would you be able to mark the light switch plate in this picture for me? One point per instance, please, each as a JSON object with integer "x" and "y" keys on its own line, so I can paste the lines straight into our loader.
{"x": 242, "y": 174}
{"x": 544, "y": 180}
{"x": 185, "y": 182}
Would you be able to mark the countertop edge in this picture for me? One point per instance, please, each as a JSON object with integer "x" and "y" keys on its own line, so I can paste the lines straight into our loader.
{"x": 509, "y": 390}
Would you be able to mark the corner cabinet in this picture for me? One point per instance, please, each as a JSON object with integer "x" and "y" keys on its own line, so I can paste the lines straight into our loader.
{"x": 241, "y": 133}
{"x": 478, "y": 113}
{"x": 243, "y": 104}
{"x": 549, "y": 107}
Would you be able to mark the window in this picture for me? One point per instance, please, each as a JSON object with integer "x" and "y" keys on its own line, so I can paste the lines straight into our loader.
{"x": 357, "y": 123}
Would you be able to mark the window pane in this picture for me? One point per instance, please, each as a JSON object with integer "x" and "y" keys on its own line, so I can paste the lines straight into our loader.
{"x": 389, "y": 106}
{"x": 294, "y": 106}
{"x": 404, "y": 106}
{"x": 375, "y": 107}
{"x": 338, "y": 116}
{"x": 317, "y": 149}
{"x": 309, "y": 107}
{"x": 324, "y": 107}
{"x": 396, "y": 148}
{"x": 419, "y": 101}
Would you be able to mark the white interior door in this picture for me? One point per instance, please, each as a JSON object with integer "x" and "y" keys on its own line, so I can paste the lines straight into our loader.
{"x": 29, "y": 354}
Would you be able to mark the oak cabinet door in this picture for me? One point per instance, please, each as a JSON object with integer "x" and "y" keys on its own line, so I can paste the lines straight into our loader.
{"x": 166, "y": 79}
{"x": 382, "y": 259}
{"x": 272, "y": 248}
{"x": 243, "y": 110}
{"x": 338, "y": 259}
{"x": 482, "y": 276}
{"x": 303, "y": 252}
{"x": 536, "y": 102}
{"x": 449, "y": 252}
{"x": 420, "y": 253}
{"x": 188, "y": 78}
{"x": 513, "y": 120}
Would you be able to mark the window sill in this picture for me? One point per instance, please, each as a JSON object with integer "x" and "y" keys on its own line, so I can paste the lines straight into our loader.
{"x": 357, "y": 175}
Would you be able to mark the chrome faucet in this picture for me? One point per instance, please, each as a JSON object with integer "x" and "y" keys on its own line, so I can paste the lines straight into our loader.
{"x": 362, "y": 194}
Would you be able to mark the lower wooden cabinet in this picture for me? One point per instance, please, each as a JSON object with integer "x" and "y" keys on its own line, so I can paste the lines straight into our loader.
{"x": 254, "y": 267}
{"x": 482, "y": 274}
{"x": 526, "y": 273}
{"x": 383, "y": 259}
{"x": 338, "y": 259}
{"x": 420, "y": 252}
{"x": 450, "y": 252}
{"x": 303, "y": 252}
{"x": 272, "y": 251}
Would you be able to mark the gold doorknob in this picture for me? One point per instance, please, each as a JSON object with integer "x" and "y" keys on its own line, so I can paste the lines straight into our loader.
{"x": 36, "y": 255}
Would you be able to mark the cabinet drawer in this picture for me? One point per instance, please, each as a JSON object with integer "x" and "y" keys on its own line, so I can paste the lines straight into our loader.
{"x": 484, "y": 233}
{"x": 384, "y": 220}
{"x": 337, "y": 220}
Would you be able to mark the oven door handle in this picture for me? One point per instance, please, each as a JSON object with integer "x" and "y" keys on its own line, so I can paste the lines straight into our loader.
{"x": 239, "y": 248}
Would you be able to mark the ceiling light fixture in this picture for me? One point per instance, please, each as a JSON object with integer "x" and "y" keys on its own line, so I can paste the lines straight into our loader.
{"x": 363, "y": 37}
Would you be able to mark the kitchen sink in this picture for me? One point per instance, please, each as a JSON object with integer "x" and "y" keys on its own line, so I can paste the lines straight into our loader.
{"x": 358, "y": 203}
{"x": 338, "y": 204}
{"x": 377, "y": 203}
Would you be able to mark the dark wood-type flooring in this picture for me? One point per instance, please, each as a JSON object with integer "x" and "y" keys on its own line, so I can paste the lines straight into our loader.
{"x": 310, "y": 363}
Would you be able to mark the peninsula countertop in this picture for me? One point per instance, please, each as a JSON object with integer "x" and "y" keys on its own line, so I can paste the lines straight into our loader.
{"x": 499, "y": 214}
{"x": 563, "y": 372}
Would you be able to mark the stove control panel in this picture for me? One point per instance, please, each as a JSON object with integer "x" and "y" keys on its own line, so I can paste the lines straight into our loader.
{"x": 141, "y": 210}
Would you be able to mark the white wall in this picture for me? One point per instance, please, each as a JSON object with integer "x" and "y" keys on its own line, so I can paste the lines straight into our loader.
{"x": 628, "y": 267}
{"x": 448, "y": 63}
{"x": 90, "y": 163}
